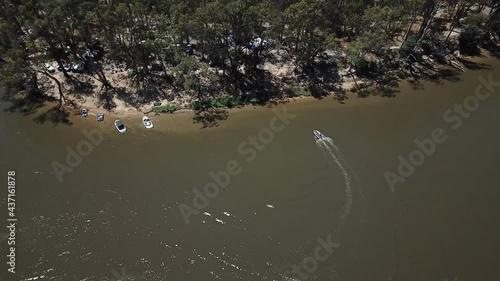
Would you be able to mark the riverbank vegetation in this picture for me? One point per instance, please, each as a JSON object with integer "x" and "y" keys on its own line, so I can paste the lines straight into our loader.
{"x": 163, "y": 55}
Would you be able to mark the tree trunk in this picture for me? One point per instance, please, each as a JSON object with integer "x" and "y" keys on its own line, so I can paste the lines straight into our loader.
{"x": 61, "y": 65}
{"x": 354, "y": 78}
{"x": 31, "y": 86}
{"x": 453, "y": 16}
{"x": 97, "y": 69}
{"x": 455, "y": 19}
{"x": 62, "y": 98}
{"x": 428, "y": 17}
{"x": 405, "y": 38}
{"x": 461, "y": 11}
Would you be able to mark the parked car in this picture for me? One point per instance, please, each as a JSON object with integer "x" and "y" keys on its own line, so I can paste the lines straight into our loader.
{"x": 189, "y": 49}
{"x": 258, "y": 43}
{"x": 78, "y": 67}
{"x": 49, "y": 68}
{"x": 65, "y": 67}
{"x": 95, "y": 52}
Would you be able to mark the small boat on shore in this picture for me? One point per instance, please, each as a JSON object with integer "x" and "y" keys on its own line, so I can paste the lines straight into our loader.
{"x": 100, "y": 117}
{"x": 318, "y": 135}
{"x": 147, "y": 122}
{"x": 120, "y": 127}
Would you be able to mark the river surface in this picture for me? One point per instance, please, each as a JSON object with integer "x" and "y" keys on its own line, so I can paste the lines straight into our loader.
{"x": 116, "y": 216}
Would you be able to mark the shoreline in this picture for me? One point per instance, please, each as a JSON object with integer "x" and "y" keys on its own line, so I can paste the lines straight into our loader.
{"x": 126, "y": 111}
{"x": 134, "y": 112}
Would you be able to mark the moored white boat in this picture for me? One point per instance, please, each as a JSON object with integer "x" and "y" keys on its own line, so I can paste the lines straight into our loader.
{"x": 147, "y": 122}
{"x": 100, "y": 117}
{"x": 120, "y": 126}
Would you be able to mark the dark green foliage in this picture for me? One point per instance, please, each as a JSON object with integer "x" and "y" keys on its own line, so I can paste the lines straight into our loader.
{"x": 193, "y": 47}
{"x": 171, "y": 108}
{"x": 222, "y": 102}
{"x": 364, "y": 67}
{"x": 473, "y": 34}
{"x": 297, "y": 91}
{"x": 409, "y": 46}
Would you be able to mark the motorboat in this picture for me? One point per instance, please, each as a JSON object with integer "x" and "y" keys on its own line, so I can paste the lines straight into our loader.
{"x": 147, "y": 122}
{"x": 120, "y": 127}
{"x": 318, "y": 135}
{"x": 85, "y": 112}
{"x": 100, "y": 117}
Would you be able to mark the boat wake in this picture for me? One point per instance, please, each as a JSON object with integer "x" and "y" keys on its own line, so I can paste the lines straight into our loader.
{"x": 330, "y": 150}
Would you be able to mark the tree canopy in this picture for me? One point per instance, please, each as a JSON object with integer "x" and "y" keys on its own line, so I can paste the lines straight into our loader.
{"x": 180, "y": 40}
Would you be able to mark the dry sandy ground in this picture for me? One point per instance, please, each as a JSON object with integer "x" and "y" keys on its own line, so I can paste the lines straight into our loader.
{"x": 88, "y": 92}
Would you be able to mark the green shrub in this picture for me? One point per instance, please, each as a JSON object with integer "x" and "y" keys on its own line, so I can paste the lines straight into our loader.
{"x": 364, "y": 68}
{"x": 297, "y": 91}
{"x": 473, "y": 35}
{"x": 317, "y": 92}
{"x": 170, "y": 108}
{"x": 409, "y": 45}
{"x": 195, "y": 105}
{"x": 469, "y": 40}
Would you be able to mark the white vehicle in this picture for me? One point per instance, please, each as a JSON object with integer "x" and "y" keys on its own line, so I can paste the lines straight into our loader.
{"x": 78, "y": 67}
{"x": 49, "y": 68}
{"x": 147, "y": 122}
{"x": 120, "y": 127}
{"x": 64, "y": 67}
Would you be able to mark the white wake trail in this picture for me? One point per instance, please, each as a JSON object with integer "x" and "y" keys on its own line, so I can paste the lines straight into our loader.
{"x": 344, "y": 162}
{"x": 324, "y": 143}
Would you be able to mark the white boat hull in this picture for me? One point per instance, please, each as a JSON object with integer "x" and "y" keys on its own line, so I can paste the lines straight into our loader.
{"x": 117, "y": 125}
{"x": 147, "y": 122}
{"x": 318, "y": 135}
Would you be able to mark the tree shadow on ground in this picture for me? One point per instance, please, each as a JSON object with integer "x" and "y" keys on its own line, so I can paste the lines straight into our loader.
{"x": 379, "y": 83}
{"x": 259, "y": 85}
{"x": 105, "y": 99}
{"x": 210, "y": 117}
{"x": 56, "y": 115}
{"x": 494, "y": 50}
{"x": 80, "y": 88}
{"x": 439, "y": 76}
{"x": 474, "y": 65}
{"x": 153, "y": 90}
{"x": 126, "y": 96}
{"x": 28, "y": 105}
{"x": 321, "y": 79}
{"x": 150, "y": 91}
{"x": 31, "y": 105}
{"x": 389, "y": 90}
{"x": 416, "y": 85}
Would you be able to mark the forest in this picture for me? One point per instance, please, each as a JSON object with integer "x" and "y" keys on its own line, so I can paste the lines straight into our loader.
{"x": 202, "y": 54}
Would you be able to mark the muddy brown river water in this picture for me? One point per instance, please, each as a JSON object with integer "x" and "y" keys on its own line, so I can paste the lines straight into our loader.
{"x": 114, "y": 214}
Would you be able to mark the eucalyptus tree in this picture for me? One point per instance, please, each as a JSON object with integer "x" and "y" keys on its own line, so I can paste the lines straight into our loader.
{"x": 306, "y": 25}
{"x": 459, "y": 11}
{"x": 17, "y": 70}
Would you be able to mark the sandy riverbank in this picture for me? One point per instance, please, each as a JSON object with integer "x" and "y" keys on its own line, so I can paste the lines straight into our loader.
{"x": 130, "y": 108}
